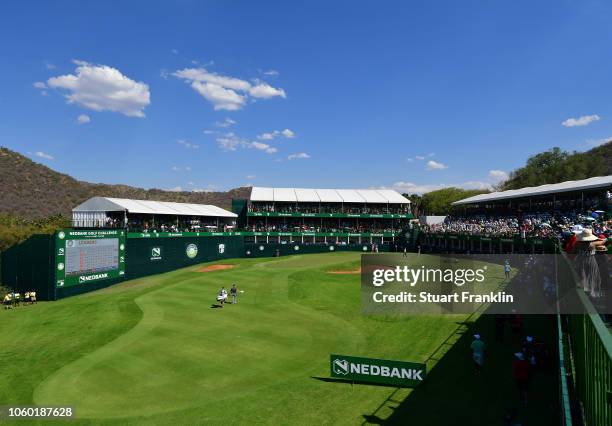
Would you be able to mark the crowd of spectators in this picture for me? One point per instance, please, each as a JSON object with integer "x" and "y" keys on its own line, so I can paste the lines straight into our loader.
{"x": 341, "y": 227}
{"x": 542, "y": 225}
{"x": 329, "y": 208}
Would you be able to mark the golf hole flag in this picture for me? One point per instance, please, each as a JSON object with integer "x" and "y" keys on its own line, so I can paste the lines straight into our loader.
{"x": 397, "y": 373}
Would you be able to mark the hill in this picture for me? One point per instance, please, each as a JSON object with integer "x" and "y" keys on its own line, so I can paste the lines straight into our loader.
{"x": 32, "y": 190}
{"x": 556, "y": 165}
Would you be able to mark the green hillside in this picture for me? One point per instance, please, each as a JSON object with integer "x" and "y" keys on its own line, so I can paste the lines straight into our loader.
{"x": 32, "y": 190}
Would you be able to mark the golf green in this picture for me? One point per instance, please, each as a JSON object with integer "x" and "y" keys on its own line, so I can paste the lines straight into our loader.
{"x": 156, "y": 351}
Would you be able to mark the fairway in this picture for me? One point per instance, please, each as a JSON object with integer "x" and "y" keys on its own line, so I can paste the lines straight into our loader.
{"x": 155, "y": 350}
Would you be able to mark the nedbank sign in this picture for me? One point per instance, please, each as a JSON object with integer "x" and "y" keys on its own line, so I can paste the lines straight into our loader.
{"x": 398, "y": 373}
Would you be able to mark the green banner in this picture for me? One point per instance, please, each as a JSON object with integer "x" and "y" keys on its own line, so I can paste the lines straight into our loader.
{"x": 259, "y": 234}
{"x": 397, "y": 373}
{"x": 337, "y": 215}
{"x": 85, "y": 256}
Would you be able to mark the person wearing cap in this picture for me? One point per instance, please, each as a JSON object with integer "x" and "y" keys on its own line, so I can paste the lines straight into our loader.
{"x": 234, "y": 293}
{"x": 586, "y": 265}
{"x": 478, "y": 350}
{"x": 520, "y": 374}
{"x": 507, "y": 269}
{"x": 8, "y": 301}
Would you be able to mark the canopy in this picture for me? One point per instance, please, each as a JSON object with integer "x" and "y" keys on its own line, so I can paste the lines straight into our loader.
{"x": 568, "y": 186}
{"x": 307, "y": 195}
{"x": 106, "y": 204}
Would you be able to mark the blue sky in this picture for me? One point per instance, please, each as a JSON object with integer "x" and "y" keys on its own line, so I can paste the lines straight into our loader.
{"x": 203, "y": 95}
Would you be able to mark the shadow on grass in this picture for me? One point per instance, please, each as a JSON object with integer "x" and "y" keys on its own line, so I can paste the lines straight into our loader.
{"x": 351, "y": 382}
{"x": 452, "y": 394}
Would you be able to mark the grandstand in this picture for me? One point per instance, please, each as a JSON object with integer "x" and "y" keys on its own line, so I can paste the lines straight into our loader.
{"x": 569, "y": 195}
{"x": 323, "y": 216}
{"x": 150, "y": 216}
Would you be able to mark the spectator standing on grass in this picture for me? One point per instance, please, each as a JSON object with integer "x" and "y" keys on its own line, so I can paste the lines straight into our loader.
{"x": 32, "y": 297}
{"x": 507, "y": 269}
{"x": 520, "y": 374}
{"x": 8, "y": 302}
{"x": 234, "y": 293}
{"x": 478, "y": 353}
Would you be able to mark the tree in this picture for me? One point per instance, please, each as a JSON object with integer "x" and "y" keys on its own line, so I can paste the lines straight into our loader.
{"x": 439, "y": 202}
{"x": 554, "y": 166}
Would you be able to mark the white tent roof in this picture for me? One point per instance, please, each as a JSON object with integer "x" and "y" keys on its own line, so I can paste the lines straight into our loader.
{"x": 106, "y": 204}
{"x": 262, "y": 194}
{"x": 568, "y": 186}
{"x": 307, "y": 195}
{"x": 382, "y": 196}
{"x": 285, "y": 194}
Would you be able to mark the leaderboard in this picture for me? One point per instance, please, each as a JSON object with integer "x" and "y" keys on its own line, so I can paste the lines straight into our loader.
{"x": 91, "y": 255}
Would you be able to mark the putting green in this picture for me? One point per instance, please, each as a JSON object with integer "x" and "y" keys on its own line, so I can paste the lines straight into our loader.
{"x": 154, "y": 350}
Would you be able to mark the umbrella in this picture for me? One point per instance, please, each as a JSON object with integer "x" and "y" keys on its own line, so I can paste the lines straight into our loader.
{"x": 590, "y": 219}
{"x": 599, "y": 211}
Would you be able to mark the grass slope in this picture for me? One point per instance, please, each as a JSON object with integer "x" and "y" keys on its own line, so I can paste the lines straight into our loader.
{"x": 153, "y": 351}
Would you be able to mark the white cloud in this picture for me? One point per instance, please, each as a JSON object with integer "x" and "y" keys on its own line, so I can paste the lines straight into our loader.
{"x": 271, "y": 72}
{"x": 263, "y": 147}
{"x": 250, "y": 176}
{"x": 265, "y": 91}
{"x": 413, "y": 188}
{"x": 176, "y": 189}
{"x": 175, "y": 51}
{"x": 419, "y": 157}
{"x": 225, "y": 92}
{"x": 230, "y": 142}
{"x": 40, "y": 85}
{"x": 220, "y": 97}
{"x": 434, "y": 165}
{"x": 180, "y": 169}
{"x": 44, "y": 155}
{"x": 209, "y": 188}
{"x": 187, "y": 144}
{"x": 210, "y": 132}
{"x": 298, "y": 156}
{"x": 228, "y": 122}
{"x": 585, "y": 120}
{"x": 410, "y": 160}
{"x": 498, "y": 175}
{"x": 597, "y": 142}
{"x": 288, "y": 134}
{"x": 50, "y": 66}
{"x": 268, "y": 136}
{"x": 103, "y": 88}
{"x": 203, "y": 76}
{"x": 83, "y": 119}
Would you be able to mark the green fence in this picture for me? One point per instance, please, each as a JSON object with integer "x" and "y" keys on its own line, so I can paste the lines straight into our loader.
{"x": 271, "y": 250}
{"x": 482, "y": 244}
{"x": 148, "y": 256}
{"x": 29, "y": 266}
{"x": 590, "y": 344}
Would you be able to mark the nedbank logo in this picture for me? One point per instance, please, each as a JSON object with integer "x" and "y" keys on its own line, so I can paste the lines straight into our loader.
{"x": 340, "y": 366}
{"x": 156, "y": 253}
{"x": 87, "y": 278}
{"x": 373, "y": 370}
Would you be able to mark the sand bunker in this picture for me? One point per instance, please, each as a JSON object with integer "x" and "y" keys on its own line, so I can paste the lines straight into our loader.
{"x": 212, "y": 268}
